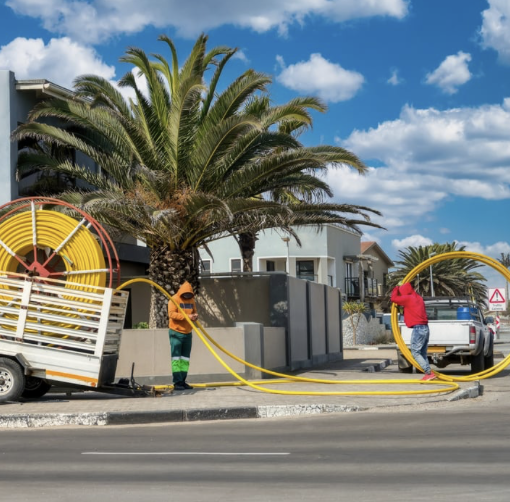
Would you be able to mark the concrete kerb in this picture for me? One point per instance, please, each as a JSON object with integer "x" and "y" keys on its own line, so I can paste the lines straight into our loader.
{"x": 471, "y": 392}
{"x": 153, "y": 417}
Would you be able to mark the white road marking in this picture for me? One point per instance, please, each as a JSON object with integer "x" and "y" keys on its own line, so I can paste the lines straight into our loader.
{"x": 178, "y": 453}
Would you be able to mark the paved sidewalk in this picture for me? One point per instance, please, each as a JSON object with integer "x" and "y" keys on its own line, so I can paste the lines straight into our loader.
{"x": 93, "y": 408}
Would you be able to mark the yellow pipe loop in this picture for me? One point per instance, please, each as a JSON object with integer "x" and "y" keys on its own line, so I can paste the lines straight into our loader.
{"x": 81, "y": 253}
{"x": 205, "y": 337}
{"x": 496, "y": 265}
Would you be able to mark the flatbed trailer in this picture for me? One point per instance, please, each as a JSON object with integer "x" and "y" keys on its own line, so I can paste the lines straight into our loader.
{"x": 60, "y": 333}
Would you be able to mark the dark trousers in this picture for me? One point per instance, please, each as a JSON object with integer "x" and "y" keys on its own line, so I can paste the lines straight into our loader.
{"x": 180, "y": 345}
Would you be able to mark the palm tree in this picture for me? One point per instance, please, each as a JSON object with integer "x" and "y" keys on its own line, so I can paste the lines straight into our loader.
{"x": 304, "y": 194}
{"x": 454, "y": 277}
{"x": 180, "y": 166}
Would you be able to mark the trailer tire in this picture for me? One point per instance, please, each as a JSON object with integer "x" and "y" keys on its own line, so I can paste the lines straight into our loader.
{"x": 35, "y": 388}
{"x": 12, "y": 380}
{"x": 477, "y": 362}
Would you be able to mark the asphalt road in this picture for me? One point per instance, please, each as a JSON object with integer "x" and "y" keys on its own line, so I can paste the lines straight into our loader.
{"x": 457, "y": 452}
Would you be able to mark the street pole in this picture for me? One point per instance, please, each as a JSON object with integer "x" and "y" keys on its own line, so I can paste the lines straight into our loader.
{"x": 286, "y": 240}
{"x": 431, "y": 278}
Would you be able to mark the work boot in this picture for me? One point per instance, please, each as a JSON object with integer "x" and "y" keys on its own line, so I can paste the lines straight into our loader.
{"x": 186, "y": 385}
{"x": 179, "y": 386}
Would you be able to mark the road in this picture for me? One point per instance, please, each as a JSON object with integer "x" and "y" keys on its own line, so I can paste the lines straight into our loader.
{"x": 453, "y": 453}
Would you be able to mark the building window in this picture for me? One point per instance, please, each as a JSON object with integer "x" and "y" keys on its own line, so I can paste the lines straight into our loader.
{"x": 348, "y": 270}
{"x": 305, "y": 270}
{"x": 205, "y": 267}
{"x": 235, "y": 265}
{"x": 270, "y": 266}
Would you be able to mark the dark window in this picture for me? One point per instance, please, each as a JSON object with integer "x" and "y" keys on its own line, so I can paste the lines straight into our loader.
{"x": 304, "y": 270}
{"x": 270, "y": 266}
{"x": 205, "y": 266}
{"x": 235, "y": 265}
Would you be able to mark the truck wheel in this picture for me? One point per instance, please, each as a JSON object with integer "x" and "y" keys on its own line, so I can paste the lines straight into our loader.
{"x": 477, "y": 362}
{"x": 35, "y": 387}
{"x": 488, "y": 360}
{"x": 12, "y": 380}
{"x": 404, "y": 366}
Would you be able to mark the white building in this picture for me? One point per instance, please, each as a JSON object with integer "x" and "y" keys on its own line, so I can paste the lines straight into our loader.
{"x": 333, "y": 255}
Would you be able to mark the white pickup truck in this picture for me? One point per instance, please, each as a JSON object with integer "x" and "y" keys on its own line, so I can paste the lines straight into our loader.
{"x": 458, "y": 335}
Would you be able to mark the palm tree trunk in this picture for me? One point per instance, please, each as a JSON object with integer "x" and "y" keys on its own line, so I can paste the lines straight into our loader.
{"x": 246, "y": 243}
{"x": 169, "y": 269}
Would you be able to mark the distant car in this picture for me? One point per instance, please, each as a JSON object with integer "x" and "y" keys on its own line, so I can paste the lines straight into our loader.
{"x": 386, "y": 320}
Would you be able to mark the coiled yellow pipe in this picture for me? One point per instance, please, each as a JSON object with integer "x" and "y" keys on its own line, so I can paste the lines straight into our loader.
{"x": 82, "y": 253}
{"x": 206, "y": 338}
{"x": 34, "y": 242}
{"x": 496, "y": 265}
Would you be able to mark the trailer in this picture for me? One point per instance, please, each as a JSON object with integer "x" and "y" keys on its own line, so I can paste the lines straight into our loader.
{"x": 61, "y": 318}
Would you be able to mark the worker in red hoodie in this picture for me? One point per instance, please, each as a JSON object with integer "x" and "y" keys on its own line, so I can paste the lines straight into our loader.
{"x": 415, "y": 316}
{"x": 180, "y": 331}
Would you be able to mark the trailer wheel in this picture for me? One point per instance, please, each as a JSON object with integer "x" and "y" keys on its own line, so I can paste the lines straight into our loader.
{"x": 35, "y": 387}
{"x": 12, "y": 380}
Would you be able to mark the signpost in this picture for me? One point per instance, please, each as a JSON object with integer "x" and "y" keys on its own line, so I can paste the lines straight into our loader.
{"x": 497, "y": 300}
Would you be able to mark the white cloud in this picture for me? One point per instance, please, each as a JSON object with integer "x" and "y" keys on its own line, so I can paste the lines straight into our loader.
{"x": 97, "y": 20}
{"x": 495, "y": 30}
{"x": 428, "y": 157}
{"x": 241, "y": 56}
{"x": 60, "y": 61}
{"x": 394, "y": 79}
{"x": 412, "y": 240}
{"x": 320, "y": 77}
{"x": 451, "y": 73}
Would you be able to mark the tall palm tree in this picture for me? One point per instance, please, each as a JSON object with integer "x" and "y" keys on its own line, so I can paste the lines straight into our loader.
{"x": 306, "y": 193}
{"x": 181, "y": 165}
{"x": 454, "y": 277}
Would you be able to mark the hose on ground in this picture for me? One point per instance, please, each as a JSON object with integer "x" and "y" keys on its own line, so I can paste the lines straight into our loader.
{"x": 206, "y": 338}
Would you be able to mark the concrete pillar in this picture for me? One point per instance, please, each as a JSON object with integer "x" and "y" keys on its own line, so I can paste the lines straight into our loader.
{"x": 253, "y": 348}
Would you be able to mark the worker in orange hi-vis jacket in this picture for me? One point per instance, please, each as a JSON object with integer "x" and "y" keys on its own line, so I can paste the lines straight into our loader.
{"x": 180, "y": 334}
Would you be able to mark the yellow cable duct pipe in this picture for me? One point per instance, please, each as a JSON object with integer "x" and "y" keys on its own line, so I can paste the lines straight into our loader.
{"x": 408, "y": 278}
{"x": 450, "y": 386}
{"x": 81, "y": 253}
{"x": 27, "y": 241}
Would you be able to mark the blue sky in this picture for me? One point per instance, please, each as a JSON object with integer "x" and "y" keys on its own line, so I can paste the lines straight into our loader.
{"x": 419, "y": 89}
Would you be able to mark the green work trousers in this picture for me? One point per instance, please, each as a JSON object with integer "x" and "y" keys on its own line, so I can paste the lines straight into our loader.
{"x": 180, "y": 344}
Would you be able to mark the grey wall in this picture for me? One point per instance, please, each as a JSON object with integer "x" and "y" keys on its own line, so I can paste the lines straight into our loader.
{"x": 272, "y": 320}
{"x": 8, "y": 122}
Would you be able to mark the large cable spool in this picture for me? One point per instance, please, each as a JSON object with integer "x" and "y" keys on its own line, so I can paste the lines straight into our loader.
{"x": 48, "y": 247}
{"x": 43, "y": 243}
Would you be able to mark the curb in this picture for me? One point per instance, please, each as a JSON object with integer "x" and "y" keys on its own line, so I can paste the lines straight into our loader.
{"x": 193, "y": 415}
{"x": 379, "y": 366}
{"x": 470, "y": 392}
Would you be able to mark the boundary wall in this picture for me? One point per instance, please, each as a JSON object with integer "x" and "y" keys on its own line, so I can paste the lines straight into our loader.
{"x": 271, "y": 320}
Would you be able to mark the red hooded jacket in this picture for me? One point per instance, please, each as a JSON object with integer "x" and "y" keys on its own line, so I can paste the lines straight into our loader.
{"x": 414, "y": 306}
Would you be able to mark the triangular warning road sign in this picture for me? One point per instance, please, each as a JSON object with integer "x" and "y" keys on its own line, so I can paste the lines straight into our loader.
{"x": 497, "y": 297}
